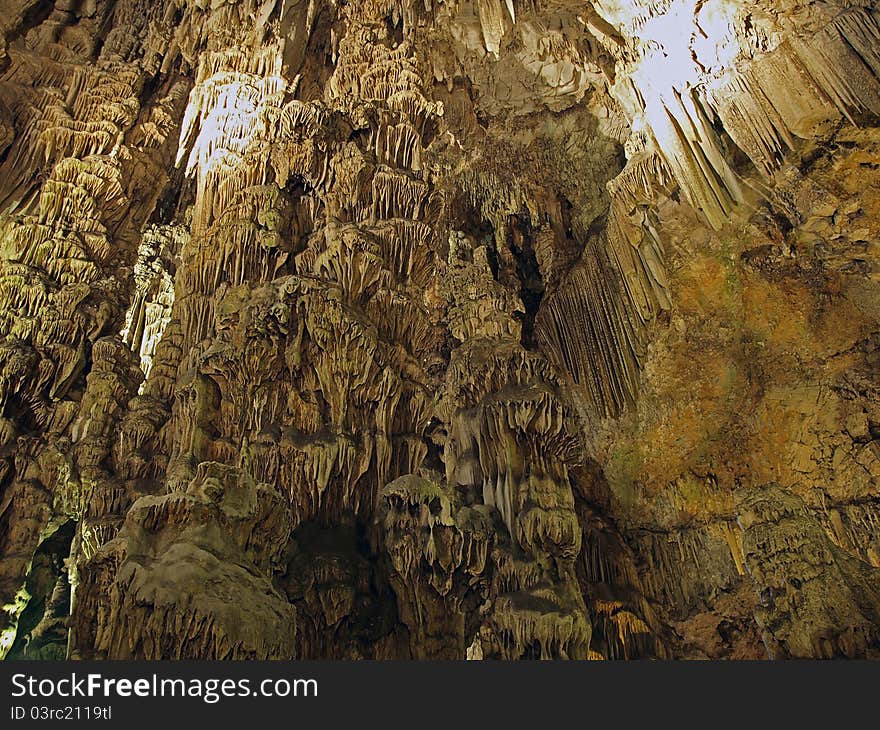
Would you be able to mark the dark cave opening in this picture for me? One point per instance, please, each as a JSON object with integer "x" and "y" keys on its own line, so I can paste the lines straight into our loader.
{"x": 41, "y": 632}
{"x": 521, "y": 244}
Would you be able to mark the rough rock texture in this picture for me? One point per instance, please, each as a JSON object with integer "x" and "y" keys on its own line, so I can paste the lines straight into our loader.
{"x": 441, "y": 329}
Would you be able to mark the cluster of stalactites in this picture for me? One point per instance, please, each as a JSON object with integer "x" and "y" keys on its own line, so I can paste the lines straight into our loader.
{"x": 429, "y": 536}
{"x": 763, "y": 85}
{"x": 455, "y": 572}
{"x": 590, "y": 329}
{"x": 693, "y": 79}
{"x": 514, "y": 445}
{"x": 80, "y": 175}
{"x": 509, "y": 444}
{"x": 150, "y": 310}
{"x": 357, "y": 331}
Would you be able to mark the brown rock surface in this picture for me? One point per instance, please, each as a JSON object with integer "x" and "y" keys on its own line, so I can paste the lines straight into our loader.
{"x": 496, "y": 329}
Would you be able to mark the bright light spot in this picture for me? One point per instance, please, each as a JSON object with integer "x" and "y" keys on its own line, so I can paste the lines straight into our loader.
{"x": 7, "y": 637}
{"x": 683, "y": 43}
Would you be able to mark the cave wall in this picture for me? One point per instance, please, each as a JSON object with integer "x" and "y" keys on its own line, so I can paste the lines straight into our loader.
{"x": 522, "y": 329}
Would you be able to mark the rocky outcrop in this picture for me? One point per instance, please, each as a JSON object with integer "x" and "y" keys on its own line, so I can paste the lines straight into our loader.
{"x": 439, "y": 330}
{"x": 817, "y": 601}
{"x": 189, "y": 576}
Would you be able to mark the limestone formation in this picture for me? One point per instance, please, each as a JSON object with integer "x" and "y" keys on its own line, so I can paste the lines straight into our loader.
{"x": 491, "y": 329}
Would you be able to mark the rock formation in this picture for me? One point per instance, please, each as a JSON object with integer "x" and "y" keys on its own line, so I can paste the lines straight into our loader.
{"x": 453, "y": 329}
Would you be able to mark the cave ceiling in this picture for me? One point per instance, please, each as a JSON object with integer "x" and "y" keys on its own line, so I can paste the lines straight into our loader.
{"x": 494, "y": 329}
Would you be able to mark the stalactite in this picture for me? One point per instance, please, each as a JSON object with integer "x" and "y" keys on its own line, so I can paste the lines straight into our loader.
{"x": 588, "y": 332}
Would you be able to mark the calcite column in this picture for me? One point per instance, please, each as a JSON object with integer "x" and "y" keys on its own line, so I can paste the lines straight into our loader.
{"x": 179, "y": 438}
{"x": 80, "y": 179}
{"x": 316, "y": 302}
